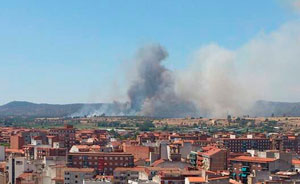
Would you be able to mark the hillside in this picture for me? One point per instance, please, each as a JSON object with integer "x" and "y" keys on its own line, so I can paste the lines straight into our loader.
{"x": 267, "y": 108}
{"x": 22, "y": 108}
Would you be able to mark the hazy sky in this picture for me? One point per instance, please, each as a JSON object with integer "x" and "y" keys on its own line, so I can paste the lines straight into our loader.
{"x": 75, "y": 51}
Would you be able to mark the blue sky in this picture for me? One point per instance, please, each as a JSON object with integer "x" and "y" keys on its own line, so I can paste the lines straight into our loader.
{"x": 73, "y": 51}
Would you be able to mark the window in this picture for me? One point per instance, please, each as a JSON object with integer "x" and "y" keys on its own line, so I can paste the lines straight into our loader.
{"x": 19, "y": 162}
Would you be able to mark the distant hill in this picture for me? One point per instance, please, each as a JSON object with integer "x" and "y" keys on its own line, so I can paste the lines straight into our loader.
{"x": 267, "y": 108}
{"x": 22, "y": 108}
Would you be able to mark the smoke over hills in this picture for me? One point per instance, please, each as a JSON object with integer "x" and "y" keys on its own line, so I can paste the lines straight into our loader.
{"x": 152, "y": 93}
{"x": 218, "y": 81}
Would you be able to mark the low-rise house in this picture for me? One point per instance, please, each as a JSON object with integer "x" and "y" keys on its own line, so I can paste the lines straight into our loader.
{"x": 123, "y": 174}
{"x": 268, "y": 162}
{"x": 99, "y": 179}
{"x": 296, "y": 165}
{"x": 215, "y": 159}
{"x": 77, "y": 175}
{"x": 28, "y": 178}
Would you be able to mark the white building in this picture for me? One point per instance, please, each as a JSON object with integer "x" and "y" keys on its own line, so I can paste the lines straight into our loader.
{"x": 77, "y": 175}
{"x": 17, "y": 166}
{"x": 2, "y": 153}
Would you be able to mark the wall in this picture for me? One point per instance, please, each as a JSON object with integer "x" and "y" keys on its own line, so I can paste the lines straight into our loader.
{"x": 2, "y": 153}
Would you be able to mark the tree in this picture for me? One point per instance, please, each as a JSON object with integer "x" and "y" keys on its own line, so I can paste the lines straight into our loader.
{"x": 166, "y": 127}
{"x": 146, "y": 126}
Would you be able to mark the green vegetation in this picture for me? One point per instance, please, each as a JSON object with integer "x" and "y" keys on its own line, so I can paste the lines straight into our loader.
{"x": 146, "y": 126}
{"x": 137, "y": 124}
{"x": 130, "y": 135}
{"x": 114, "y": 124}
{"x": 172, "y": 128}
{"x": 4, "y": 144}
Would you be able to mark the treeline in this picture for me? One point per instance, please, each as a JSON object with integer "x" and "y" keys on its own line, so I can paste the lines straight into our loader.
{"x": 114, "y": 124}
{"x": 145, "y": 126}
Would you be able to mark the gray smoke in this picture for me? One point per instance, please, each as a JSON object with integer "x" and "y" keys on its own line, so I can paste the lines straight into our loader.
{"x": 110, "y": 109}
{"x": 152, "y": 93}
{"x": 152, "y": 77}
{"x": 218, "y": 81}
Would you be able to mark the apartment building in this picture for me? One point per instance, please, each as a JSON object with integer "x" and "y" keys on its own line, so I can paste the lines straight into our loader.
{"x": 122, "y": 174}
{"x": 77, "y": 175}
{"x": 17, "y": 166}
{"x": 266, "y": 162}
{"x": 214, "y": 159}
{"x": 16, "y": 142}
{"x": 102, "y": 162}
{"x": 240, "y": 145}
{"x": 66, "y": 135}
{"x": 42, "y": 152}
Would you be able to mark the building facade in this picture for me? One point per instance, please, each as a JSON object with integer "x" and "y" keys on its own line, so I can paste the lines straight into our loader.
{"x": 103, "y": 163}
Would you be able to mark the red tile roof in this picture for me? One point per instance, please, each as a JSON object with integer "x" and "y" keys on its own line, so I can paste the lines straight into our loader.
{"x": 8, "y": 150}
{"x": 157, "y": 162}
{"x": 233, "y": 181}
{"x": 211, "y": 152}
{"x": 253, "y": 159}
{"x": 218, "y": 178}
{"x": 73, "y": 169}
{"x": 196, "y": 179}
{"x": 137, "y": 169}
{"x": 25, "y": 175}
{"x": 296, "y": 162}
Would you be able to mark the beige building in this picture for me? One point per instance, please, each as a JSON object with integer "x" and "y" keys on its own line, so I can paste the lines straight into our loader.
{"x": 214, "y": 159}
{"x": 123, "y": 174}
{"x": 3, "y": 175}
{"x": 77, "y": 175}
{"x": 17, "y": 166}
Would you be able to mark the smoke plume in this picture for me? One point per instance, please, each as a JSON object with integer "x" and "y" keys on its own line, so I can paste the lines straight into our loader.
{"x": 292, "y": 4}
{"x": 152, "y": 93}
{"x": 217, "y": 81}
{"x": 211, "y": 82}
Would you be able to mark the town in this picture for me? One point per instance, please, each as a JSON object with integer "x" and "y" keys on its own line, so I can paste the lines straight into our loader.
{"x": 121, "y": 150}
{"x": 150, "y": 92}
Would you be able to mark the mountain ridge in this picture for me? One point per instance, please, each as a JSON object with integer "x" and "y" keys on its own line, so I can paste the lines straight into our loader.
{"x": 24, "y": 108}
